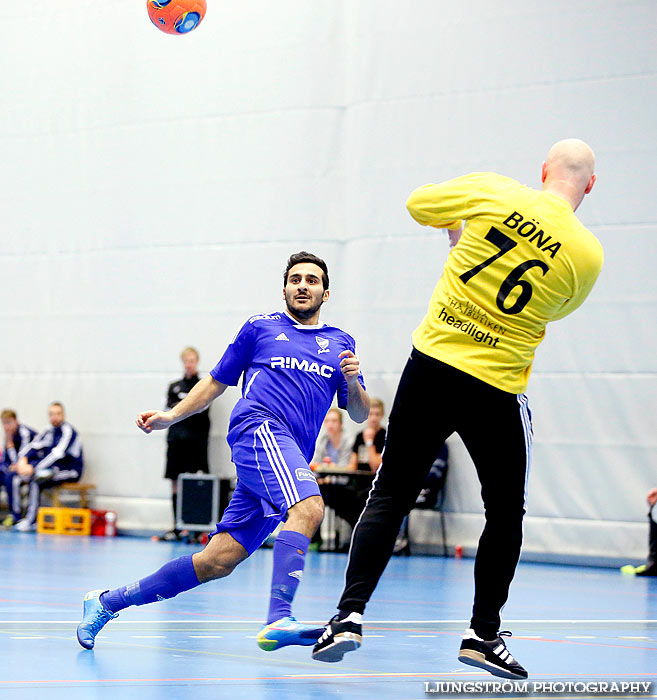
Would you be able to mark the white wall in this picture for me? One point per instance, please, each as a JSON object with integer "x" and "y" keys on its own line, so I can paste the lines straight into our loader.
{"x": 152, "y": 186}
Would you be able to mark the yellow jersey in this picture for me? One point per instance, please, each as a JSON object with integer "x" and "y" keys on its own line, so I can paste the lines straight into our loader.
{"x": 524, "y": 259}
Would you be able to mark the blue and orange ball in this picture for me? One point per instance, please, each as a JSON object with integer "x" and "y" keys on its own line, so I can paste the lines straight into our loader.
{"x": 176, "y": 16}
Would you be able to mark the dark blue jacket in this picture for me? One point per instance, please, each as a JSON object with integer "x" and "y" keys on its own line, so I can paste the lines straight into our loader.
{"x": 58, "y": 449}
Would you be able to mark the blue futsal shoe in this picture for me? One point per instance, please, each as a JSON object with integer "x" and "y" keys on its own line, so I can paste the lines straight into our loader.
{"x": 285, "y": 632}
{"x": 94, "y": 618}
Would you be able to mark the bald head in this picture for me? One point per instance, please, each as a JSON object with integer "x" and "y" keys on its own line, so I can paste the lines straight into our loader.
{"x": 568, "y": 170}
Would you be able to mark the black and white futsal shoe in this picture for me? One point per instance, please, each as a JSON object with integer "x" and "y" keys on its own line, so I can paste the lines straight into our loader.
{"x": 492, "y": 656}
{"x": 339, "y": 637}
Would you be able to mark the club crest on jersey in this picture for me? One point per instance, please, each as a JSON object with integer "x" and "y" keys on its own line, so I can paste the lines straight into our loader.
{"x": 303, "y": 365}
{"x": 323, "y": 345}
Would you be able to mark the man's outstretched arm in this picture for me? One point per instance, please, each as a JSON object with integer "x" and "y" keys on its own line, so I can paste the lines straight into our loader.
{"x": 198, "y": 399}
{"x": 358, "y": 402}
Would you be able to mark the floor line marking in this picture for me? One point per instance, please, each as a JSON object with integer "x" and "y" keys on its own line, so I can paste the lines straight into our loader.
{"x": 255, "y": 657}
{"x": 319, "y": 676}
{"x": 597, "y": 644}
{"x": 248, "y": 679}
{"x": 366, "y": 622}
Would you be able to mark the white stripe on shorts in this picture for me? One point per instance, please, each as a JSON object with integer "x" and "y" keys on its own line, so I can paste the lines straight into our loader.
{"x": 283, "y": 462}
{"x": 282, "y": 484}
{"x": 262, "y": 476}
{"x": 278, "y": 465}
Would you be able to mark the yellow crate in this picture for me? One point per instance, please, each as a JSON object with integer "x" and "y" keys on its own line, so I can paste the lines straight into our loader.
{"x": 64, "y": 521}
{"x": 49, "y": 521}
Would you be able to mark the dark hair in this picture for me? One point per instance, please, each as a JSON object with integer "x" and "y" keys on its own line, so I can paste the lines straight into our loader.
{"x": 57, "y": 403}
{"x": 302, "y": 257}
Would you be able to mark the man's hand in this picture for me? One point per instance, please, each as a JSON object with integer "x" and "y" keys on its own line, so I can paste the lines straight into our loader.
{"x": 24, "y": 468}
{"x": 148, "y": 421}
{"x": 652, "y": 497}
{"x": 369, "y": 435}
{"x": 358, "y": 402}
{"x": 350, "y": 366}
{"x": 21, "y": 466}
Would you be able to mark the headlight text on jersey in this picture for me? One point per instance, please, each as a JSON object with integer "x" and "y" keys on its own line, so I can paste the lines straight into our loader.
{"x": 303, "y": 365}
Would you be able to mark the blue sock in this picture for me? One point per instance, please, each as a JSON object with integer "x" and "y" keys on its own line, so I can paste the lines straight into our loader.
{"x": 174, "y": 577}
{"x": 289, "y": 558}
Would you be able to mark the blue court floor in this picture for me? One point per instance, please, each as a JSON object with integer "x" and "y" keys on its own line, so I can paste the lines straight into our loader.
{"x": 569, "y": 623}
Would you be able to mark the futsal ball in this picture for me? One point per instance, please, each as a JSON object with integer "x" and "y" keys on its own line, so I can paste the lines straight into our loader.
{"x": 176, "y": 16}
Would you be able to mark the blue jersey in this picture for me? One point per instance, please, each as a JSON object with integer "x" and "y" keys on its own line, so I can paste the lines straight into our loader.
{"x": 290, "y": 373}
{"x": 58, "y": 448}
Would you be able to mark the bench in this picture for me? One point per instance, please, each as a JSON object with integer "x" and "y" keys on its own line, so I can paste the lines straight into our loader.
{"x": 81, "y": 489}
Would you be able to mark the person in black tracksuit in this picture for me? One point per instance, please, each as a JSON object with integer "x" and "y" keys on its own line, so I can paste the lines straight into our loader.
{"x": 187, "y": 441}
{"x": 53, "y": 457}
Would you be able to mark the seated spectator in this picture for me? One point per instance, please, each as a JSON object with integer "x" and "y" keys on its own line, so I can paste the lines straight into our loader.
{"x": 333, "y": 448}
{"x": 368, "y": 446}
{"x": 16, "y": 436}
{"x": 53, "y": 457}
{"x": 348, "y": 499}
{"x": 650, "y": 567}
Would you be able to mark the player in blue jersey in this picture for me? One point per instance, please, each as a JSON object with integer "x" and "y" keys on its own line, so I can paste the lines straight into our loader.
{"x": 291, "y": 367}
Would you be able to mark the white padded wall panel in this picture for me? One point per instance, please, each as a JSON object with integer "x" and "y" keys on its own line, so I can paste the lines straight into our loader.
{"x": 606, "y": 337}
{"x": 423, "y": 47}
{"x": 137, "y": 186}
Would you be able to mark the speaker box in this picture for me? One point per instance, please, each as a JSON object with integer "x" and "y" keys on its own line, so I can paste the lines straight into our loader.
{"x": 202, "y": 499}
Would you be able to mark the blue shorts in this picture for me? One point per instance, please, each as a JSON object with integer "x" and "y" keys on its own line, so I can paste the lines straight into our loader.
{"x": 272, "y": 475}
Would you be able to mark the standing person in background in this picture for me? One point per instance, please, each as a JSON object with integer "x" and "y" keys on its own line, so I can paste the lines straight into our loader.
{"x": 17, "y": 435}
{"x": 53, "y": 457}
{"x": 187, "y": 441}
{"x": 523, "y": 260}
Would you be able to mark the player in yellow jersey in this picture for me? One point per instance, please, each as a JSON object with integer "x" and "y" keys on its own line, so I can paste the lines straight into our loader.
{"x": 521, "y": 259}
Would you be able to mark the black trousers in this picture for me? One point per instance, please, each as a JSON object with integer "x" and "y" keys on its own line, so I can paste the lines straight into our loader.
{"x": 434, "y": 400}
{"x": 652, "y": 539}
{"x": 186, "y": 456}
